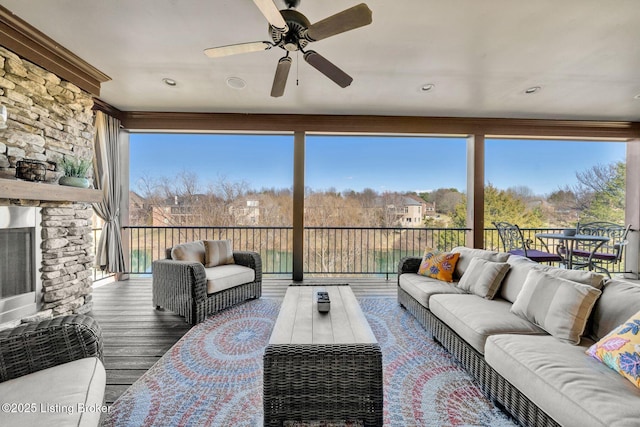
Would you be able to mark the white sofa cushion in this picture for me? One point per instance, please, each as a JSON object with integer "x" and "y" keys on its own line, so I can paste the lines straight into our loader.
{"x": 619, "y": 301}
{"x": 483, "y": 277}
{"x": 228, "y": 276}
{"x": 421, "y": 288}
{"x": 70, "y": 394}
{"x": 467, "y": 254}
{"x": 559, "y": 306}
{"x": 474, "y": 318}
{"x": 571, "y": 387}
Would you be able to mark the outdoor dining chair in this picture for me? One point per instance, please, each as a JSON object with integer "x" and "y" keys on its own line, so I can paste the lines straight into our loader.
{"x": 513, "y": 241}
{"x": 607, "y": 255}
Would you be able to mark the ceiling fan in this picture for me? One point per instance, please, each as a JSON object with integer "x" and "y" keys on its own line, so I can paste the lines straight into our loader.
{"x": 291, "y": 30}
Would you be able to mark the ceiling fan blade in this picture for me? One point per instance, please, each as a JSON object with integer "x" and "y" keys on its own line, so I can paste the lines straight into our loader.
{"x": 234, "y": 49}
{"x": 349, "y": 19}
{"x": 273, "y": 15}
{"x": 327, "y": 68}
{"x": 280, "y": 79}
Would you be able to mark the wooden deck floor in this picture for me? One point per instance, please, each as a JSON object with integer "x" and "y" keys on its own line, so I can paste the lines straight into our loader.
{"x": 136, "y": 335}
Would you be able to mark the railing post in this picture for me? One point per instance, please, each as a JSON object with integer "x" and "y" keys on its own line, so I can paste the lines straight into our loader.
{"x": 298, "y": 205}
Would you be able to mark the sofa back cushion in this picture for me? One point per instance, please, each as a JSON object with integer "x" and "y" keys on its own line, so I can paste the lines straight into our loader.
{"x": 520, "y": 267}
{"x": 191, "y": 251}
{"x": 467, "y": 254}
{"x": 483, "y": 278}
{"x": 559, "y": 306}
{"x": 619, "y": 301}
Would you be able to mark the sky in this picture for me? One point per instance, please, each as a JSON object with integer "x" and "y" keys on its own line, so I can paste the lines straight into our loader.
{"x": 358, "y": 162}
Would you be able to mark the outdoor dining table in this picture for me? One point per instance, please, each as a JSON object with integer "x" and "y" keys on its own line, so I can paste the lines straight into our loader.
{"x": 570, "y": 241}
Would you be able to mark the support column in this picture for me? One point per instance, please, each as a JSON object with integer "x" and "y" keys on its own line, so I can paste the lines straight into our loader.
{"x": 632, "y": 209}
{"x": 298, "y": 205}
{"x": 124, "y": 202}
{"x": 475, "y": 191}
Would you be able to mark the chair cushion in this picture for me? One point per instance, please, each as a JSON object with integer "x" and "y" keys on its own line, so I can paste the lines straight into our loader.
{"x": 191, "y": 251}
{"x": 573, "y": 388}
{"x": 536, "y": 255}
{"x": 227, "y": 276}
{"x": 217, "y": 252}
{"x": 483, "y": 277}
{"x": 474, "y": 318}
{"x": 70, "y": 394}
{"x": 559, "y": 306}
{"x": 421, "y": 288}
{"x": 597, "y": 255}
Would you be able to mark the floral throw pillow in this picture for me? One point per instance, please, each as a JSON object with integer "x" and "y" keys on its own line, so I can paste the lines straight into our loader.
{"x": 438, "y": 265}
{"x": 620, "y": 349}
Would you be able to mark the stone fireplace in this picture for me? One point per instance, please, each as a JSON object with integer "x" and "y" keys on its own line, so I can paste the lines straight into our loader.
{"x": 48, "y": 118}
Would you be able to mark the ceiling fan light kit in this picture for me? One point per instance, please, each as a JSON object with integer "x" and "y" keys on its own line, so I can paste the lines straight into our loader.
{"x": 291, "y": 31}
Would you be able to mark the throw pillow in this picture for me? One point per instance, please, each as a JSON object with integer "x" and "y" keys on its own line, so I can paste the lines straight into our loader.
{"x": 192, "y": 252}
{"x": 559, "y": 306}
{"x": 217, "y": 252}
{"x": 483, "y": 277}
{"x": 620, "y": 349}
{"x": 438, "y": 265}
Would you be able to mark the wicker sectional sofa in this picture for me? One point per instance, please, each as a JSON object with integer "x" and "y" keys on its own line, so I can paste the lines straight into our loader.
{"x": 537, "y": 378}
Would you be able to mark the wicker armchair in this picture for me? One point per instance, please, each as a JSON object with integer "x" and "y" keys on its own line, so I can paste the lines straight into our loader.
{"x": 181, "y": 286}
{"x": 32, "y": 347}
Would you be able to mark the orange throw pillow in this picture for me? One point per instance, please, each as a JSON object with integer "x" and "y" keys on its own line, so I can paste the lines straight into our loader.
{"x": 439, "y": 265}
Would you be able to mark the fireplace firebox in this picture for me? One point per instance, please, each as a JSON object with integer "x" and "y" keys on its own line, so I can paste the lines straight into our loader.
{"x": 20, "y": 260}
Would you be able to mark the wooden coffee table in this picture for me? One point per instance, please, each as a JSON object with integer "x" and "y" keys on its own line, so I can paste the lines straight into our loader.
{"x": 322, "y": 366}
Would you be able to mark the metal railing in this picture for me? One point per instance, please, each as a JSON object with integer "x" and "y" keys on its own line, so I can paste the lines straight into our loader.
{"x": 340, "y": 251}
{"x": 327, "y": 250}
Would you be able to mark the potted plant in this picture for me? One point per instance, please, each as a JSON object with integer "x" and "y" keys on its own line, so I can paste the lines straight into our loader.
{"x": 75, "y": 172}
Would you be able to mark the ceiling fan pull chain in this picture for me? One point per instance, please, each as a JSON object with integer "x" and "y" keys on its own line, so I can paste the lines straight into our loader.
{"x": 297, "y": 65}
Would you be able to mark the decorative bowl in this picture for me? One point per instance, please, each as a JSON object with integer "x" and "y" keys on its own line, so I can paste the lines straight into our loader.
{"x": 569, "y": 231}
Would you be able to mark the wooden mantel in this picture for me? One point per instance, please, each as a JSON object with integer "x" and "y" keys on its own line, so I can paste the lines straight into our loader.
{"x": 24, "y": 190}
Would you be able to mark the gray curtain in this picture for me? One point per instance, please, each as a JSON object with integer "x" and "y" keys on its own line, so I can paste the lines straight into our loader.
{"x": 106, "y": 170}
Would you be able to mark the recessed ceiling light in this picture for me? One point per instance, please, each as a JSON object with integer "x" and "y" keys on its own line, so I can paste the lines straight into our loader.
{"x": 236, "y": 83}
{"x": 637, "y": 96}
{"x": 169, "y": 82}
{"x": 427, "y": 87}
{"x": 531, "y": 90}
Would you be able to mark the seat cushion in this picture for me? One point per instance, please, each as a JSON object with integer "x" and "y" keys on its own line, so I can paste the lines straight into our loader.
{"x": 227, "y": 276}
{"x": 421, "y": 288}
{"x": 70, "y": 394}
{"x": 573, "y": 388}
{"x": 474, "y": 318}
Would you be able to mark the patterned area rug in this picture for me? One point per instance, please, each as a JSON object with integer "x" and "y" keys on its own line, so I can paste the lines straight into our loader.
{"x": 213, "y": 375}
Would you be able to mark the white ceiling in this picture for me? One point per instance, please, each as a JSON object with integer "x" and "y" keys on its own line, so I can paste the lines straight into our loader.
{"x": 480, "y": 54}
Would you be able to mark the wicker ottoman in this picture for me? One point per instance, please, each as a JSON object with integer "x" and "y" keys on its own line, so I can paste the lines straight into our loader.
{"x": 322, "y": 366}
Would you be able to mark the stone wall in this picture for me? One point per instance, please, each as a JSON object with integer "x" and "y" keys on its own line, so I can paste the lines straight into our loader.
{"x": 50, "y": 118}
